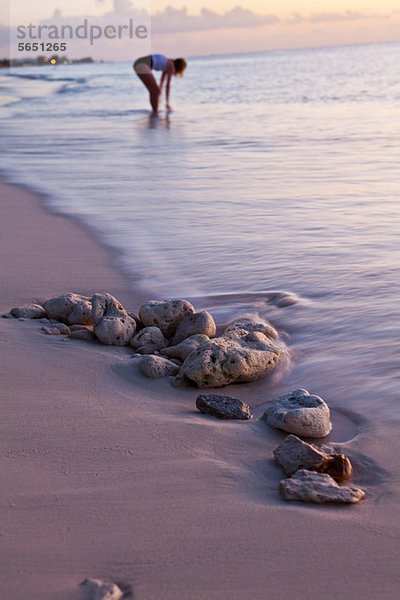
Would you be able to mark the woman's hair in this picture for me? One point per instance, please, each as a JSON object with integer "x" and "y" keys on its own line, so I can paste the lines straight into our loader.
{"x": 180, "y": 65}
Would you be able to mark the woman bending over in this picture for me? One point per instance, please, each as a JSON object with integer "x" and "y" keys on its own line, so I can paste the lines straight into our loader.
{"x": 158, "y": 62}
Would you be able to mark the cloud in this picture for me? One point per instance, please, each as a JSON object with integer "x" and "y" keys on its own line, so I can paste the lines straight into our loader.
{"x": 349, "y": 15}
{"x": 179, "y": 20}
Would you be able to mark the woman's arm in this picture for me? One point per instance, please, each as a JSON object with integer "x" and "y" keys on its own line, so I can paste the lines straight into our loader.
{"x": 170, "y": 70}
{"x": 163, "y": 76}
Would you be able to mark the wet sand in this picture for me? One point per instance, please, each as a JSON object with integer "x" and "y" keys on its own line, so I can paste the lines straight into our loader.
{"x": 107, "y": 474}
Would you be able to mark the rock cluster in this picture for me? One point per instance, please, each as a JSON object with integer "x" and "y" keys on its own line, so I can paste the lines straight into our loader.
{"x": 314, "y": 473}
{"x": 177, "y": 340}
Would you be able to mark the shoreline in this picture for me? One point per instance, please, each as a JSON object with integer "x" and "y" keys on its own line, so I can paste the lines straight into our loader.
{"x": 109, "y": 475}
{"x": 80, "y": 233}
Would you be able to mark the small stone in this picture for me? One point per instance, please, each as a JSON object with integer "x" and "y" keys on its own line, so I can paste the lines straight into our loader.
{"x": 157, "y": 366}
{"x": 223, "y": 407}
{"x": 85, "y": 335}
{"x": 77, "y": 327}
{"x": 51, "y": 330}
{"x": 182, "y": 350}
{"x": 164, "y": 314}
{"x": 63, "y": 329}
{"x": 294, "y": 454}
{"x": 22, "y": 319}
{"x": 28, "y": 311}
{"x": 111, "y": 323}
{"x": 308, "y": 486}
{"x": 251, "y": 324}
{"x": 301, "y": 414}
{"x": 148, "y": 340}
{"x": 44, "y": 320}
{"x": 94, "y": 589}
{"x": 197, "y": 323}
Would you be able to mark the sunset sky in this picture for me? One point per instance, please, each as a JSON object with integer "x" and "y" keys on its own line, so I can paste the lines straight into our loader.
{"x": 199, "y": 27}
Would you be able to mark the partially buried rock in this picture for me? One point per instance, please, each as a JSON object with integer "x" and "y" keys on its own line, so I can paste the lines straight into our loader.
{"x": 300, "y": 413}
{"x": 56, "y": 328}
{"x": 111, "y": 323}
{"x": 94, "y": 589}
{"x": 148, "y": 340}
{"x": 222, "y": 361}
{"x": 28, "y": 311}
{"x": 62, "y": 327}
{"x": 86, "y": 335}
{"x": 157, "y": 366}
{"x": 197, "y": 323}
{"x": 223, "y": 407}
{"x": 251, "y": 324}
{"x": 51, "y": 330}
{"x": 80, "y": 328}
{"x": 70, "y": 308}
{"x": 308, "y": 486}
{"x": 164, "y": 314}
{"x": 294, "y": 454}
{"x": 182, "y": 350}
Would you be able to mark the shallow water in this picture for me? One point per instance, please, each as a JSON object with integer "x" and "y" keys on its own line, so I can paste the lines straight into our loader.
{"x": 277, "y": 173}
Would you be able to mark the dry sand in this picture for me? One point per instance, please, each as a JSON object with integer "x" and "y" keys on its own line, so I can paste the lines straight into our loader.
{"x": 107, "y": 474}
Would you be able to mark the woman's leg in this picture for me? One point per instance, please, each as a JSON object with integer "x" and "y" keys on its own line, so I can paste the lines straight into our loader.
{"x": 143, "y": 71}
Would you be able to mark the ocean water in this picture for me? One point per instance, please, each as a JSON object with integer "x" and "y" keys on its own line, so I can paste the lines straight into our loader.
{"x": 273, "y": 188}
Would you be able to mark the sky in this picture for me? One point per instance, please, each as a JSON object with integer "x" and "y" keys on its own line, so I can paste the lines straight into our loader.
{"x": 201, "y": 27}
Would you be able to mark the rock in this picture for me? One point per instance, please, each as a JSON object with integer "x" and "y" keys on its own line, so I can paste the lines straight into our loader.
{"x": 250, "y": 324}
{"x": 70, "y": 308}
{"x": 111, "y": 323}
{"x": 51, "y": 330}
{"x": 44, "y": 320}
{"x": 287, "y": 300}
{"x": 148, "y": 340}
{"x": 139, "y": 324}
{"x": 182, "y": 350}
{"x": 294, "y": 454}
{"x": 85, "y": 335}
{"x": 176, "y": 361}
{"x": 81, "y": 327}
{"x": 94, "y": 589}
{"x": 222, "y": 361}
{"x": 62, "y": 327}
{"x": 157, "y": 366}
{"x": 197, "y": 323}
{"x": 223, "y": 407}
{"x": 28, "y": 311}
{"x": 6, "y": 316}
{"x": 308, "y": 486}
{"x": 301, "y": 414}
{"x": 338, "y": 466}
{"x": 164, "y": 314}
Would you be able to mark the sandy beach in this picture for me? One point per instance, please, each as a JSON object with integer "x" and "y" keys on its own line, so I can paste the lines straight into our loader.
{"x": 109, "y": 475}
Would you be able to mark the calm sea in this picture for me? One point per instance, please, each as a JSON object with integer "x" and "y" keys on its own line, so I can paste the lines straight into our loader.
{"x": 273, "y": 187}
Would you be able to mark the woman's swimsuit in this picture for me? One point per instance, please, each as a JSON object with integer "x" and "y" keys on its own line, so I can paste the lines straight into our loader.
{"x": 156, "y": 62}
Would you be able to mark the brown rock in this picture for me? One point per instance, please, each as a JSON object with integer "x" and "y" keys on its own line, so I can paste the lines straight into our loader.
{"x": 308, "y": 486}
